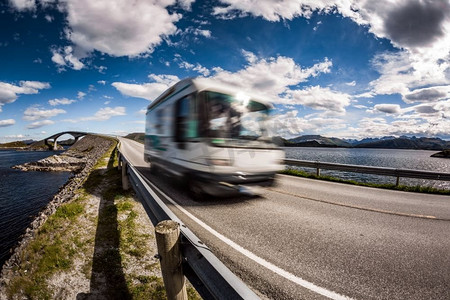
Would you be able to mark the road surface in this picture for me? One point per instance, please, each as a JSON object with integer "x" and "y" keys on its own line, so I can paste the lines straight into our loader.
{"x": 310, "y": 239}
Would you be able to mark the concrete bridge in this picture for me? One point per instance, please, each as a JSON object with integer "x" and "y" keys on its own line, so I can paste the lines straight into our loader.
{"x": 76, "y": 135}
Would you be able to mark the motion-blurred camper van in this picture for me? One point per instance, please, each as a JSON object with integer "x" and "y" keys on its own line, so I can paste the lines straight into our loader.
{"x": 213, "y": 136}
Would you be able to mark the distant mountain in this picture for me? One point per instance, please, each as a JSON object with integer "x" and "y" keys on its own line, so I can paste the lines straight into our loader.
{"x": 316, "y": 141}
{"x": 368, "y": 140}
{"x": 136, "y": 136}
{"x": 408, "y": 143}
{"x": 387, "y": 142}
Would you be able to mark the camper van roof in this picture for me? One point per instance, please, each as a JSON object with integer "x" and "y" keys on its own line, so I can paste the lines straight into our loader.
{"x": 201, "y": 84}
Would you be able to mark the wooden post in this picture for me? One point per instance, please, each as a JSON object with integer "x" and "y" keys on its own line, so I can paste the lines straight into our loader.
{"x": 398, "y": 181}
{"x": 168, "y": 241}
{"x": 125, "y": 182}
{"x": 318, "y": 172}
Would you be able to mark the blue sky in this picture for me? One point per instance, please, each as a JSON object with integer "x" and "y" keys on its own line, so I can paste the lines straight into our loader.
{"x": 349, "y": 69}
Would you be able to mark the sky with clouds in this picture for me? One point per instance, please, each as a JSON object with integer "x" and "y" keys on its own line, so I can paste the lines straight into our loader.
{"x": 344, "y": 68}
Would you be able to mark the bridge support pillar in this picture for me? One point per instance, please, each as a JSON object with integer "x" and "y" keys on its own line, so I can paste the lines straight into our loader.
{"x": 125, "y": 181}
{"x": 167, "y": 235}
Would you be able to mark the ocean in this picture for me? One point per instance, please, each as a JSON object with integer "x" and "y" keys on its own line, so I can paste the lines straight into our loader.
{"x": 393, "y": 158}
{"x": 23, "y": 195}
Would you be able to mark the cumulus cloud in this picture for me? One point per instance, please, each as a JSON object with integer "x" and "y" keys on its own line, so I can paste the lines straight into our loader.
{"x": 417, "y": 23}
{"x": 319, "y": 98}
{"x": 106, "y": 113}
{"x": 149, "y": 91}
{"x": 63, "y": 101}
{"x": 34, "y": 113}
{"x": 23, "y": 4}
{"x": 80, "y": 95}
{"x": 428, "y": 94}
{"x": 7, "y": 122}
{"x": 272, "y": 76}
{"x": 127, "y": 28}
{"x": 64, "y": 57}
{"x": 40, "y": 124}
{"x": 388, "y": 108}
{"x": 9, "y": 92}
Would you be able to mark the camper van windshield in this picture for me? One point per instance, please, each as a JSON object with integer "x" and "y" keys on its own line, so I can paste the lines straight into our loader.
{"x": 235, "y": 119}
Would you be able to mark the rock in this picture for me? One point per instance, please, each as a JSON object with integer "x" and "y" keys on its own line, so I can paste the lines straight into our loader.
{"x": 442, "y": 154}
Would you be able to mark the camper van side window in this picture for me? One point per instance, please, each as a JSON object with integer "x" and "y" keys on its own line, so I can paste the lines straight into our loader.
{"x": 159, "y": 121}
{"x": 186, "y": 119}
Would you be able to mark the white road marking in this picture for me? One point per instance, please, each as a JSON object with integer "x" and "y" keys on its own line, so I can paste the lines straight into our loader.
{"x": 306, "y": 284}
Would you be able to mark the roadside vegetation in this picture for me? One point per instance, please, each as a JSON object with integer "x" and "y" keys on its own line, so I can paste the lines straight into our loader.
{"x": 18, "y": 144}
{"x": 99, "y": 245}
{"x": 405, "y": 188}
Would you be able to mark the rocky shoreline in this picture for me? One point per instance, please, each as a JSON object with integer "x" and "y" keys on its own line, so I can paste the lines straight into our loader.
{"x": 80, "y": 159}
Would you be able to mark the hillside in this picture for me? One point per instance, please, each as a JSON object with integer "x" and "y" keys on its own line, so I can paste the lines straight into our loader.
{"x": 408, "y": 143}
{"x": 136, "y": 136}
{"x": 18, "y": 144}
{"x": 316, "y": 141}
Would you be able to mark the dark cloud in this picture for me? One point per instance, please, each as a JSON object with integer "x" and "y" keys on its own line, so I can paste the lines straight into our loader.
{"x": 425, "y": 109}
{"x": 426, "y": 95}
{"x": 418, "y": 23}
{"x": 388, "y": 108}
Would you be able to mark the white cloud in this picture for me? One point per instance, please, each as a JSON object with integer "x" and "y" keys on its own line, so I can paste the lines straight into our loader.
{"x": 7, "y": 122}
{"x": 186, "y": 4}
{"x": 34, "y": 113}
{"x": 102, "y": 82}
{"x": 318, "y": 98}
{"x": 127, "y": 28}
{"x": 63, "y": 101}
{"x": 64, "y": 57}
{"x": 23, "y": 4}
{"x": 106, "y": 113}
{"x": 80, "y": 95}
{"x": 9, "y": 92}
{"x": 272, "y": 76}
{"x": 353, "y": 83}
{"x": 40, "y": 124}
{"x": 149, "y": 91}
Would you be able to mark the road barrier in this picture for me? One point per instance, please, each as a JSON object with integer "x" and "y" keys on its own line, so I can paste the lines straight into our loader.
{"x": 420, "y": 174}
{"x": 209, "y": 276}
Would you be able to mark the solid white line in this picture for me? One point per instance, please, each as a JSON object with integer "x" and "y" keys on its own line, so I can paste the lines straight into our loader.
{"x": 306, "y": 284}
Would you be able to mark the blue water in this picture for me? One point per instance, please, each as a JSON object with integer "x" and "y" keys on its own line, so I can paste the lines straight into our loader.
{"x": 393, "y": 158}
{"x": 23, "y": 195}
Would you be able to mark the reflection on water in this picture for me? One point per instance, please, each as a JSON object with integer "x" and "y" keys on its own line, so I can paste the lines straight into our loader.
{"x": 393, "y": 158}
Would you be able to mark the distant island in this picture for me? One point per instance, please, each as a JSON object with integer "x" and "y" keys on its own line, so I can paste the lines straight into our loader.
{"x": 387, "y": 142}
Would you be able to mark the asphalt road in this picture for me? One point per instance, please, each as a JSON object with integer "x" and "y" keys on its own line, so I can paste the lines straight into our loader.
{"x": 309, "y": 239}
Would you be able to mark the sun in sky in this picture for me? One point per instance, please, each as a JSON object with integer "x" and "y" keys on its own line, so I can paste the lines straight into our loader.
{"x": 349, "y": 69}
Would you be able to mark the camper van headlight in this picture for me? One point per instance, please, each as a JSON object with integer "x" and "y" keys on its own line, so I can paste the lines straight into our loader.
{"x": 219, "y": 162}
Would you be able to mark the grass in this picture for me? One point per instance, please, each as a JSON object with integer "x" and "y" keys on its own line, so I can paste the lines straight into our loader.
{"x": 115, "y": 241}
{"x": 405, "y": 188}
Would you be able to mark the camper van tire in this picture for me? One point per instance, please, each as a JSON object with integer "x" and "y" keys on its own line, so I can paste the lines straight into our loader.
{"x": 196, "y": 190}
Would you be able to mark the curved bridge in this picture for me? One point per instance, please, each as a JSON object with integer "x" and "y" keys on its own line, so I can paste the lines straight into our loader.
{"x": 54, "y": 146}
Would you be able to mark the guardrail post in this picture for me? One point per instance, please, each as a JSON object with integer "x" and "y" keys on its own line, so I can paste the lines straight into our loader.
{"x": 125, "y": 182}
{"x": 119, "y": 162}
{"x": 397, "y": 182}
{"x": 168, "y": 242}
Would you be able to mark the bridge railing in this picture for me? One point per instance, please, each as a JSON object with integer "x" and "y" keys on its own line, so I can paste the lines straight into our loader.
{"x": 385, "y": 171}
{"x": 209, "y": 276}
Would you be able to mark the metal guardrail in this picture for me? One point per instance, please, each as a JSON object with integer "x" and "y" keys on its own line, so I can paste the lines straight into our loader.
{"x": 420, "y": 174}
{"x": 209, "y": 276}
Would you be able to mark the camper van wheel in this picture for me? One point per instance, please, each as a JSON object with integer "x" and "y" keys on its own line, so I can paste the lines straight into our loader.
{"x": 153, "y": 169}
{"x": 196, "y": 190}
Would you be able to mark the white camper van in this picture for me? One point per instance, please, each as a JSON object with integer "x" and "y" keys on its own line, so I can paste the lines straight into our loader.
{"x": 213, "y": 136}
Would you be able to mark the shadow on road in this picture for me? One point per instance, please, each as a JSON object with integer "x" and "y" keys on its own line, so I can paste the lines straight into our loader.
{"x": 179, "y": 191}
